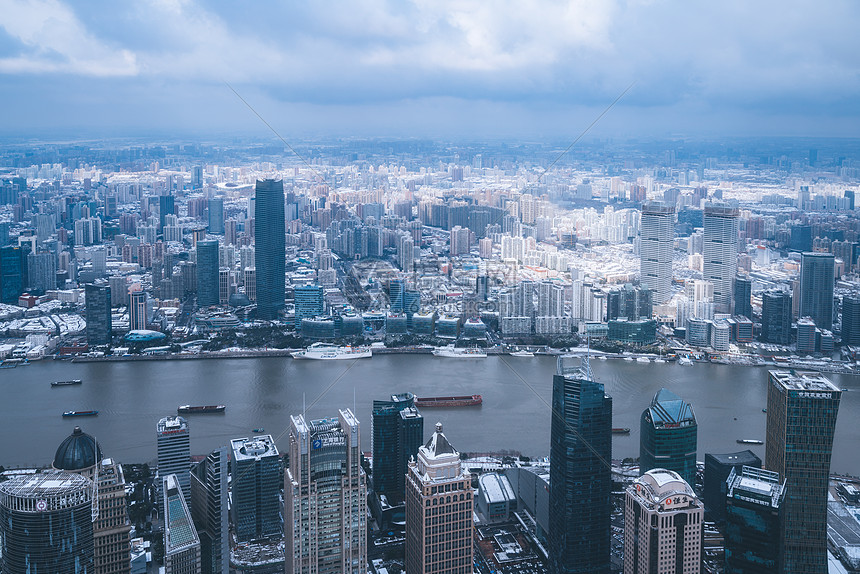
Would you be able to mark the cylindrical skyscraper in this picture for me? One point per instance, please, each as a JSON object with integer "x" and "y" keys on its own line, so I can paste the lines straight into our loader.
{"x": 270, "y": 247}
{"x": 46, "y": 523}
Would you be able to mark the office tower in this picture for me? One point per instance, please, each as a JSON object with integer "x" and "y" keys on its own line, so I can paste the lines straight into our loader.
{"x": 439, "y": 508}
{"x": 270, "y": 248}
{"x": 174, "y": 451}
{"x": 717, "y": 470}
{"x": 118, "y": 291}
{"x": 816, "y": 288}
{"x": 98, "y": 301}
{"x": 137, "y": 310}
{"x": 256, "y": 470}
{"x": 776, "y": 317}
{"x": 482, "y": 287}
{"x": 325, "y": 497}
{"x": 668, "y": 436}
{"x": 41, "y": 272}
{"x": 207, "y": 273}
{"x": 197, "y": 176}
{"x": 225, "y": 285}
{"x": 13, "y": 273}
{"x": 721, "y": 252}
{"x": 181, "y": 543}
{"x": 806, "y": 335}
{"x": 656, "y": 245}
{"x": 251, "y": 283}
{"x": 166, "y": 206}
{"x": 396, "y": 287}
{"x": 216, "y": 216}
{"x": 801, "y": 418}
{"x": 743, "y": 296}
{"x": 46, "y": 523}
{"x": 662, "y": 525}
{"x": 580, "y": 471}
{"x": 209, "y": 510}
{"x": 851, "y": 320}
{"x": 754, "y": 511}
{"x": 308, "y": 299}
{"x": 397, "y": 430}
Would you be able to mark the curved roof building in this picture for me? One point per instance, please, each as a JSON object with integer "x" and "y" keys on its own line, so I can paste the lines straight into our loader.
{"x": 79, "y": 451}
{"x": 668, "y": 436}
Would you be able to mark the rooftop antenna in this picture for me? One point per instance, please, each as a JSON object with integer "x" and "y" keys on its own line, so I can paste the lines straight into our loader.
{"x": 586, "y": 360}
{"x": 95, "y": 506}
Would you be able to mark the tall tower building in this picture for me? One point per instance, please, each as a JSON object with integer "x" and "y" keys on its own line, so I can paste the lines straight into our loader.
{"x": 754, "y": 504}
{"x": 668, "y": 436}
{"x": 325, "y": 497}
{"x": 46, "y": 524}
{"x": 256, "y": 469}
{"x": 13, "y": 273}
{"x": 216, "y": 216}
{"x": 166, "y": 206}
{"x": 776, "y": 317}
{"x": 851, "y": 320}
{"x": 99, "y": 326}
{"x": 801, "y": 419}
{"x": 309, "y": 300}
{"x": 816, "y": 288}
{"x": 209, "y": 510}
{"x": 743, "y": 296}
{"x": 137, "y": 310}
{"x": 662, "y": 525}
{"x": 270, "y": 248}
{"x": 656, "y": 245}
{"x": 208, "y": 287}
{"x": 174, "y": 452}
{"x": 397, "y": 431}
{"x": 721, "y": 252}
{"x": 580, "y": 471}
{"x": 439, "y": 506}
{"x": 181, "y": 543}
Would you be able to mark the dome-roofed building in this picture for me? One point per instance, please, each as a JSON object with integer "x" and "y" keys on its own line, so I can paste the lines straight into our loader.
{"x": 78, "y": 452}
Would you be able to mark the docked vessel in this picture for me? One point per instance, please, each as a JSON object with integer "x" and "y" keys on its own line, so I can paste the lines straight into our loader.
{"x": 749, "y": 441}
{"x": 686, "y": 361}
{"x": 525, "y": 353}
{"x": 643, "y": 360}
{"x": 620, "y": 430}
{"x": 463, "y": 401}
{"x": 66, "y": 383}
{"x": 189, "y": 410}
{"x": 460, "y": 352}
{"x": 80, "y": 413}
{"x": 327, "y": 352}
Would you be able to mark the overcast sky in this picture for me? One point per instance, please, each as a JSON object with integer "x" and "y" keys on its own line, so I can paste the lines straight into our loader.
{"x": 438, "y": 68}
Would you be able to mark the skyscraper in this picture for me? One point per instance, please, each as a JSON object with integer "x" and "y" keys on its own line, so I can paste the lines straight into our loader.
{"x": 270, "y": 248}
{"x": 166, "y": 206}
{"x": 397, "y": 432}
{"x": 816, "y": 288}
{"x": 174, "y": 452}
{"x": 754, "y": 505}
{"x": 208, "y": 289}
{"x": 256, "y": 469}
{"x": 325, "y": 497}
{"x": 662, "y": 525}
{"x": 209, "y": 510}
{"x": 743, "y": 295}
{"x": 13, "y": 273}
{"x": 656, "y": 245}
{"x": 718, "y": 467}
{"x": 580, "y": 472}
{"x": 137, "y": 310}
{"x": 41, "y": 271}
{"x": 216, "y": 216}
{"x": 99, "y": 326}
{"x": 776, "y": 317}
{"x": 801, "y": 419}
{"x": 181, "y": 543}
{"x": 439, "y": 506}
{"x": 851, "y": 320}
{"x": 720, "y": 255}
{"x": 46, "y": 524}
{"x": 308, "y": 298}
{"x": 668, "y": 436}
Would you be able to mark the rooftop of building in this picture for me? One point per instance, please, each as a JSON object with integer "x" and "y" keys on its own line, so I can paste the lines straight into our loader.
{"x": 659, "y": 484}
{"x": 756, "y": 485}
{"x": 253, "y": 448}
{"x": 496, "y": 488}
{"x": 802, "y": 380}
{"x": 438, "y": 444}
{"x": 178, "y": 527}
{"x": 78, "y": 451}
{"x": 744, "y": 457}
{"x": 171, "y": 424}
{"x": 44, "y": 484}
{"x": 668, "y": 409}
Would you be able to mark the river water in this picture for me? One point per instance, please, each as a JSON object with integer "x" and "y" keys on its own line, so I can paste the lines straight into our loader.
{"x": 263, "y": 392}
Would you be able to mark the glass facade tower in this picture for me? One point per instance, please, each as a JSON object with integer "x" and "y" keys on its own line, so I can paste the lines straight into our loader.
{"x": 256, "y": 469}
{"x": 668, "y": 435}
{"x": 816, "y": 288}
{"x": 99, "y": 326}
{"x": 270, "y": 248}
{"x": 753, "y": 515}
{"x": 720, "y": 252}
{"x": 656, "y": 245}
{"x": 208, "y": 287}
{"x": 397, "y": 433}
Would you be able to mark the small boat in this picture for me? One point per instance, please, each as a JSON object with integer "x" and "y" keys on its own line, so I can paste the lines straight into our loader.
{"x": 844, "y": 390}
{"x": 189, "y": 410}
{"x": 643, "y": 360}
{"x": 525, "y": 353}
{"x": 749, "y": 441}
{"x": 66, "y": 383}
{"x": 261, "y": 429}
{"x": 80, "y": 413}
{"x": 460, "y": 352}
{"x": 462, "y": 401}
{"x": 621, "y": 430}
{"x": 685, "y": 361}
{"x": 764, "y": 410}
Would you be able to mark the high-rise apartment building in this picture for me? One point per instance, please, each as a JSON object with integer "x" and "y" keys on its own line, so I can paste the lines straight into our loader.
{"x": 743, "y": 296}
{"x": 325, "y": 496}
{"x": 816, "y": 288}
{"x": 208, "y": 287}
{"x": 720, "y": 257}
{"x": 397, "y": 432}
{"x": 256, "y": 486}
{"x": 754, "y": 505}
{"x": 776, "y": 317}
{"x": 439, "y": 506}
{"x": 209, "y": 510}
{"x": 580, "y": 472}
{"x": 668, "y": 435}
{"x": 663, "y": 522}
{"x": 99, "y": 326}
{"x": 174, "y": 452}
{"x": 270, "y": 248}
{"x": 181, "y": 543}
{"x": 801, "y": 419}
{"x": 656, "y": 245}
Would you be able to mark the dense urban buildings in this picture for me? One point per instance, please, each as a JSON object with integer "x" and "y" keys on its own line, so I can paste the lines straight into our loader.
{"x": 270, "y": 247}
{"x": 668, "y": 436}
{"x": 801, "y": 419}
{"x": 256, "y": 469}
{"x": 580, "y": 455}
{"x": 754, "y": 514}
{"x": 439, "y": 507}
{"x": 325, "y": 494}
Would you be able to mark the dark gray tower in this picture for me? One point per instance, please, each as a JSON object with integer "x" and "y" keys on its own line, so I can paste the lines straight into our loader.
{"x": 816, "y": 288}
{"x": 270, "y": 247}
{"x": 207, "y": 273}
